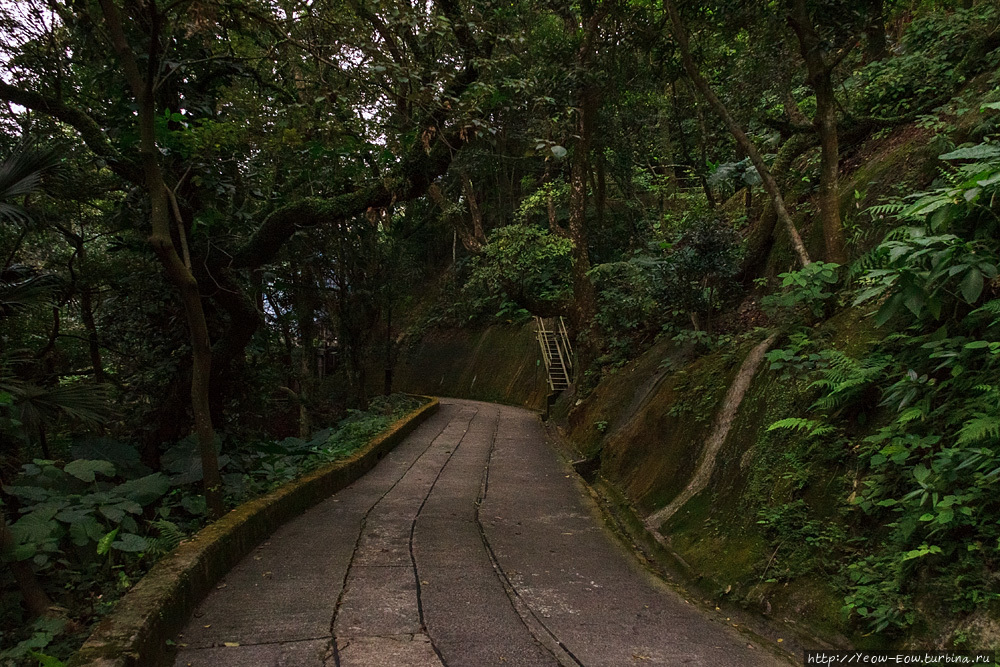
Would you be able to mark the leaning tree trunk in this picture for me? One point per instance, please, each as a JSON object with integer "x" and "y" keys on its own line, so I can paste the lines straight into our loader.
{"x": 760, "y": 236}
{"x": 680, "y": 34}
{"x": 177, "y": 272}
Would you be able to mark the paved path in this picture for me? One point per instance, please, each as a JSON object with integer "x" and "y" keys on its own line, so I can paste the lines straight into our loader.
{"x": 470, "y": 544}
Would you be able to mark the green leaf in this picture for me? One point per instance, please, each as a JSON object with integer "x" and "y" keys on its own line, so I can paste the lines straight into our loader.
{"x": 131, "y": 542}
{"x": 888, "y": 309}
{"x": 36, "y": 526}
{"x": 972, "y": 285}
{"x": 114, "y": 513}
{"x": 73, "y": 515}
{"x": 47, "y": 660}
{"x": 104, "y": 544}
{"x": 85, "y": 470}
{"x": 145, "y": 489}
{"x": 85, "y": 532}
{"x": 124, "y": 456}
{"x": 980, "y": 152}
{"x": 130, "y": 506}
{"x": 31, "y": 493}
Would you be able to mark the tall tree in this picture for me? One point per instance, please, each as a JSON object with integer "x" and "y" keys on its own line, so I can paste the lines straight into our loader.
{"x": 681, "y": 37}
{"x": 820, "y": 78}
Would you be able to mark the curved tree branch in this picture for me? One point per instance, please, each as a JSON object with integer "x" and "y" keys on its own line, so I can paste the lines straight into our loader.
{"x": 91, "y": 133}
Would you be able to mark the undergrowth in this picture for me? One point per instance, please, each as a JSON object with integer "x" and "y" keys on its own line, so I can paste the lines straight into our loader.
{"x": 94, "y": 525}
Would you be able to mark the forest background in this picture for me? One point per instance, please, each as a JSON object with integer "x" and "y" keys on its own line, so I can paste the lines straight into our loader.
{"x": 224, "y": 222}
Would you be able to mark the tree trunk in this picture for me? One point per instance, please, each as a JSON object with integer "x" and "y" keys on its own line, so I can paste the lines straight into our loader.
{"x": 601, "y": 190}
{"x": 93, "y": 342}
{"x": 585, "y": 296}
{"x": 474, "y": 211}
{"x": 305, "y": 312}
{"x": 685, "y": 157}
{"x": 876, "y": 42}
{"x": 680, "y": 35}
{"x": 388, "y": 359}
{"x": 821, "y": 81}
{"x": 761, "y": 234}
{"x": 703, "y": 150}
{"x": 36, "y": 601}
{"x": 176, "y": 271}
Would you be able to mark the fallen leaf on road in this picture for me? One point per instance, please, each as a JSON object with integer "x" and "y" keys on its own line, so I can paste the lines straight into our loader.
{"x": 231, "y": 644}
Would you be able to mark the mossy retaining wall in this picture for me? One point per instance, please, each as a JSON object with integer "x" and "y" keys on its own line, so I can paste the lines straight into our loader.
{"x": 500, "y": 364}
{"x": 135, "y": 633}
{"x": 648, "y": 424}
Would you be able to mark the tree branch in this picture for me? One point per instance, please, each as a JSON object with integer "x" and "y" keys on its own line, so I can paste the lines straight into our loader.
{"x": 91, "y": 133}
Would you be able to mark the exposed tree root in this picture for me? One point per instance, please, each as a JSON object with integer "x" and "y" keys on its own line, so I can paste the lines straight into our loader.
{"x": 720, "y": 429}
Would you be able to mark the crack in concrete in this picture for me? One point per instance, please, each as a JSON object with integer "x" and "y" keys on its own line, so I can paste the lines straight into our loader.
{"x": 337, "y": 649}
{"x": 413, "y": 527}
{"x": 361, "y": 532}
{"x": 534, "y": 625}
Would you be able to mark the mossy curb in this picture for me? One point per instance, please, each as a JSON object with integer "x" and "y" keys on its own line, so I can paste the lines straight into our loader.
{"x": 136, "y": 632}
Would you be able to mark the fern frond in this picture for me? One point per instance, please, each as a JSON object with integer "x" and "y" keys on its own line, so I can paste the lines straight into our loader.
{"x": 910, "y": 414}
{"x": 888, "y": 208}
{"x": 981, "y": 428}
{"x": 845, "y": 378}
{"x": 990, "y": 309}
{"x": 810, "y": 427}
{"x": 171, "y": 535}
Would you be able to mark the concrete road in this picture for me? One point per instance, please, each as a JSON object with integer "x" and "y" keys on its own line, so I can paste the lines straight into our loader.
{"x": 470, "y": 544}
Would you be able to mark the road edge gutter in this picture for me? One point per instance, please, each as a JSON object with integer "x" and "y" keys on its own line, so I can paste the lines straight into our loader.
{"x": 135, "y": 634}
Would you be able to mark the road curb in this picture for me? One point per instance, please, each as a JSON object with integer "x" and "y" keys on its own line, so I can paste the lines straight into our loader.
{"x": 136, "y": 632}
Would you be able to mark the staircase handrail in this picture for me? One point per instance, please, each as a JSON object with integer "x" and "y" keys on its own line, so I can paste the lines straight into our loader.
{"x": 564, "y": 335}
{"x": 540, "y": 332}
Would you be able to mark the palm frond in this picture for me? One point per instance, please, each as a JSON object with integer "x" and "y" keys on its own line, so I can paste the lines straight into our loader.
{"x": 87, "y": 403}
{"x": 21, "y": 294}
{"x": 21, "y": 174}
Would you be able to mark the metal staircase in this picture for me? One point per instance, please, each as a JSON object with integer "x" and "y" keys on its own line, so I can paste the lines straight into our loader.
{"x": 557, "y": 352}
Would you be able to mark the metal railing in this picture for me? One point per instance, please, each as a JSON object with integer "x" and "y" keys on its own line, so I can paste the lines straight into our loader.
{"x": 557, "y": 353}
